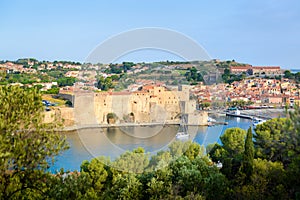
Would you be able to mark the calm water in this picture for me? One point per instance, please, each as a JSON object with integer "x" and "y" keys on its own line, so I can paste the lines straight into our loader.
{"x": 295, "y": 71}
{"x": 111, "y": 142}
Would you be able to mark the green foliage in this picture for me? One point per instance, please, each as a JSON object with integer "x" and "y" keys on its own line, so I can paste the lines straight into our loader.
{"x": 110, "y": 116}
{"x": 270, "y": 140}
{"x": 233, "y": 142}
{"x": 27, "y": 143}
{"x": 230, "y": 153}
{"x": 290, "y": 75}
{"x": 53, "y": 90}
{"x": 19, "y": 78}
{"x": 193, "y": 150}
{"x": 239, "y": 103}
{"x": 205, "y": 105}
{"x": 119, "y": 69}
{"x": 177, "y": 149}
{"x": 247, "y": 164}
{"x": 193, "y": 75}
{"x": 96, "y": 173}
{"x": 267, "y": 182}
{"x": 69, "y": 103}
{"x": 160, "y": 160}
{"x": 182, "y": 178}
{"x": 229, "y": 78}
{"x": 134, "y": 162}
{"x": 66, "y": 81}
{"x": 105, "y": 83}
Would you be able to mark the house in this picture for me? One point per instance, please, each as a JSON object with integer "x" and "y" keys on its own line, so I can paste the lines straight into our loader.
{"x": 256, "y": 70}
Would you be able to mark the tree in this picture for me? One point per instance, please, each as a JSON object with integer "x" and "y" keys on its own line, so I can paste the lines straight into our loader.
{"x": 288, "y": 74}
{"x": 297, "y": 76}
{"x": 27, "y": 144}
{"x": 126, "y": 187}
{"x": 230, "y": 153}
{"x": 247, "y": 164}
{"x": 238, "y": 103}
{"x": 134, "y": 162}
{"x": 193, "y": 150}
{"x": 233, "y": 142}
{"x": 66, "y": 81}
{"x": 271, "y": 140}
{"x": 69, "y": 103}
{"x": 160, "y": 160}
{"x": 105, "y": 83}
{"x": 96, "y": 173}
{"x": 193, "y": 75}
{"x": 111, "y": 118}
{"x": 205, "y": 105}
{"x": 267, "y": 182}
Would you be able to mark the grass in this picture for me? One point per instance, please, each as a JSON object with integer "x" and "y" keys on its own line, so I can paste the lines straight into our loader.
{"x": 49, "y": 97}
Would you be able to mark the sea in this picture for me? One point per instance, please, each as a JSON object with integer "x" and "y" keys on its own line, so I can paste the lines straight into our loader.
{"x": 294, "y": 71}
{"x": 111, "y": 142}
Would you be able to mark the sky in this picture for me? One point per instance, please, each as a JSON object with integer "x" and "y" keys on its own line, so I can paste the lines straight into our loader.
{"x": 256, "y": 32}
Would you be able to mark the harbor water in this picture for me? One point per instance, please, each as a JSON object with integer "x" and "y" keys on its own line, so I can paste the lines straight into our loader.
{"x": 111, "y": 142}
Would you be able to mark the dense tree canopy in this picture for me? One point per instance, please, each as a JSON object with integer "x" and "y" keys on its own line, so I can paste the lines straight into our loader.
{"x": 27, "y": 144}
{"x": 105, "y": 83}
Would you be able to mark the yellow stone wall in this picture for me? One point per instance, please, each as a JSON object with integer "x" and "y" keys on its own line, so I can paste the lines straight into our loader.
{"x": 155, "y": 105}
{"x": 66, "y": 114}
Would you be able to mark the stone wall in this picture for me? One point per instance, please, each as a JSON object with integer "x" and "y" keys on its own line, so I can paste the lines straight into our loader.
{"x": 154, "y": 105}
{"x": 198, "y": 118}
{"x": 66, "y": 114}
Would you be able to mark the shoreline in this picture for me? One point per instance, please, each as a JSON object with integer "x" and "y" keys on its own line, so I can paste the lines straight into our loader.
{"x": 93, "y": 126}
{"x": 278, "y": 111}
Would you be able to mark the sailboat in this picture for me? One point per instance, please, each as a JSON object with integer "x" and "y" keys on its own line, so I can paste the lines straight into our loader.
{"x": 182, "y": 131}
{"x": 257, "y": 121}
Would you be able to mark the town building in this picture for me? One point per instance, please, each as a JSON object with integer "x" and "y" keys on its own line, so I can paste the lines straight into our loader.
{"x": 256, "y": 70}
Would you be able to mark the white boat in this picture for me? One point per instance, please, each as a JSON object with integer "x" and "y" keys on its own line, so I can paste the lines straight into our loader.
{"x": 182, "y": 131}
{"x": 209, "y": 119}
{"x": 237, "y": 112}
{"x": 257, "y": 121}
{"x": 182, "y": 135}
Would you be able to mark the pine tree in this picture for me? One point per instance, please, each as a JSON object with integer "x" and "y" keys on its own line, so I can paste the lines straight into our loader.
{"x": 27, "y": 144}
{"x": 248, "y": 156}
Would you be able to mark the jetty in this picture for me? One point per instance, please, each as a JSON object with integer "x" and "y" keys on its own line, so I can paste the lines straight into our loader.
{"x": 118, "y": 125}
{"x": 234, "y": 114}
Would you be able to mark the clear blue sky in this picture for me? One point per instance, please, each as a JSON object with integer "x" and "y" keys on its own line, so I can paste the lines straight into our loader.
{"x": 259, "y": 32}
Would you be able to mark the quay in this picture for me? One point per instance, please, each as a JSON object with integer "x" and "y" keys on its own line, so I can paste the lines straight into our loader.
{"x": 92, "y": 126}
{"x": 247, "y": 116}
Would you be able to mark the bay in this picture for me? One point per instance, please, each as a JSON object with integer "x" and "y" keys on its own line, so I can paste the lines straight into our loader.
{"x": 111, "y": 142}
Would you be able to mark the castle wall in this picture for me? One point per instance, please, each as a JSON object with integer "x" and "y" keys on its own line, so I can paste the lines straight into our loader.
{"x": 156, "y": 104}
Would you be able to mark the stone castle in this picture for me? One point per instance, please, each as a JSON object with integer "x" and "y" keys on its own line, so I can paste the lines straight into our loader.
{"x": 150, "y": 104}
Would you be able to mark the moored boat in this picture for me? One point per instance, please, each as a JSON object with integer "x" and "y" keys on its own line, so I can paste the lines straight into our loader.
{"x": 257, "y": 121}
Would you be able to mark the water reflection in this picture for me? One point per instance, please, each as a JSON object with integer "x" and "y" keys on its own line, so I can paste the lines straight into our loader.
{"x": 112, "y": 142}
